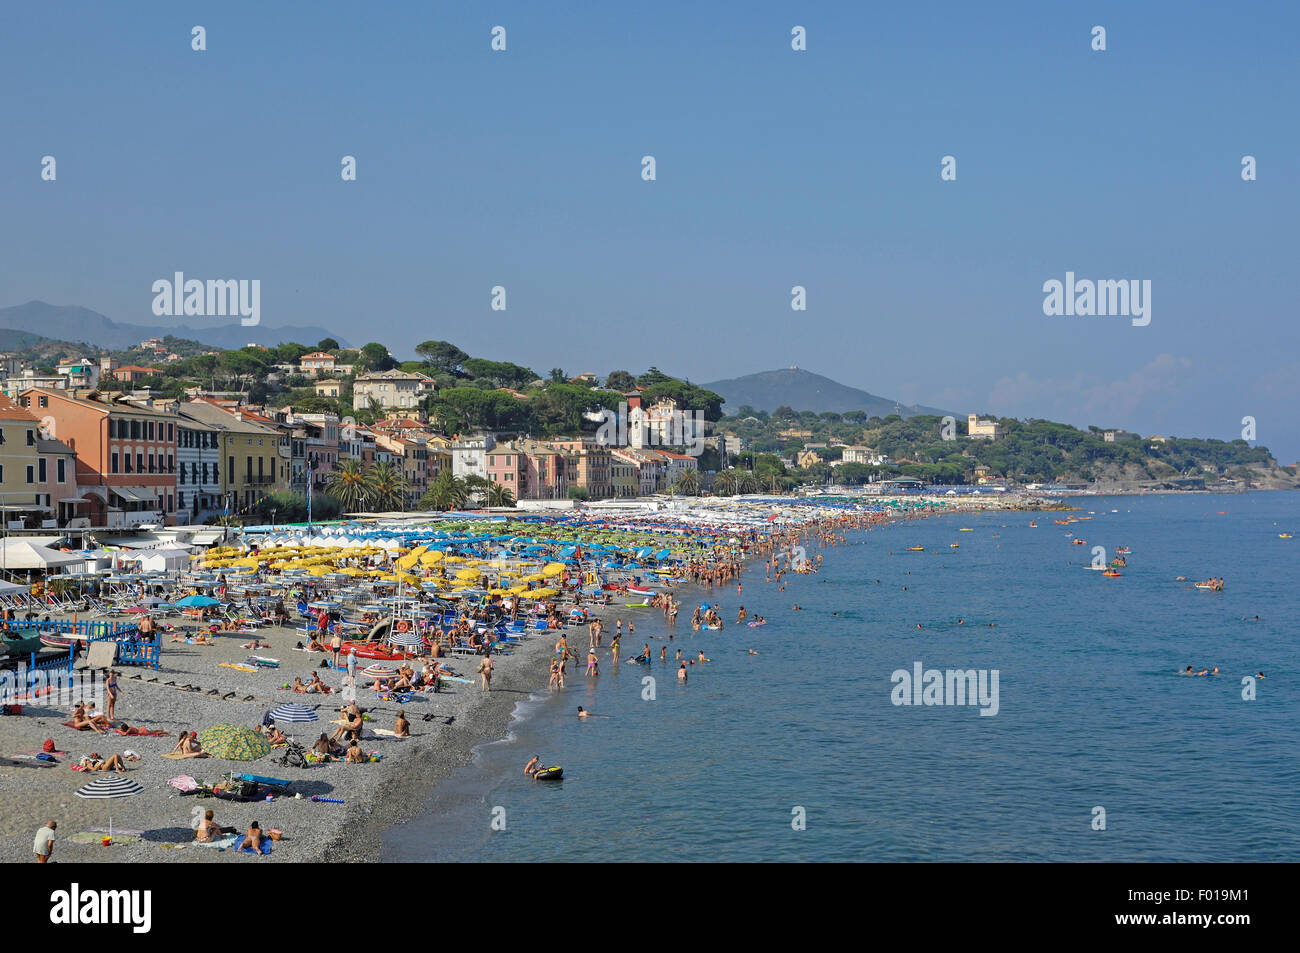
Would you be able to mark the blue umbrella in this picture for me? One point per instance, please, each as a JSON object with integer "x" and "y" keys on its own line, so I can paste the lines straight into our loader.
{"x": 292, "y": 713}
{"x": 197, "y": 602}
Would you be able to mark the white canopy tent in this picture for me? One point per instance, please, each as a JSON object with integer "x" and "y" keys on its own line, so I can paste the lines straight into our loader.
{"x": 17, "y": 553}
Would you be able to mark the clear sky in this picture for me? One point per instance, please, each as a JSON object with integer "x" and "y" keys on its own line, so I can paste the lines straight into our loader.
{"x": 775, "y": 168}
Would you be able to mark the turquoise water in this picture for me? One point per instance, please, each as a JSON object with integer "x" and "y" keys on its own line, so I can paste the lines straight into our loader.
{"x": 1091, "y": 710}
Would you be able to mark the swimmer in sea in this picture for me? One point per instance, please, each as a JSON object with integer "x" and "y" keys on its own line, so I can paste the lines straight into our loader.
{"x": 1188, "y": 671}
{"x": 1260, "y": 675}
{"x": 582, "y": 712}
{"x": 752, "y": 652}
{"x": 663, "y": 654}
{"x": 702, "y": 658}
{"x": 681, "y": 673}
{"x": 961, "y": 621}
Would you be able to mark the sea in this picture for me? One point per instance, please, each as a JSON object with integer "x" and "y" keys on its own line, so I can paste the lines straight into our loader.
{"x": 1100, "y": 750}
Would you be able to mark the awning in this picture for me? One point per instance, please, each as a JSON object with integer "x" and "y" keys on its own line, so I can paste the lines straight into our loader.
{"x": 136, "y": 494}
{"x": 73, "y": 499}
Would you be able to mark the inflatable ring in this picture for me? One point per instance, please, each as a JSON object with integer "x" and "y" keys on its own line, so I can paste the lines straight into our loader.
{"x": 403, "y": 626}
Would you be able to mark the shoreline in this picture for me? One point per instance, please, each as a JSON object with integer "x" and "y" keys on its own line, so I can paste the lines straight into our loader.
{"x": 378, "y": 796}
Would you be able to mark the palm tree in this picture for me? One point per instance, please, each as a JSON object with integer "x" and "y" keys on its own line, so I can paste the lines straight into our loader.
{"x": 350, "y": 485}
{"x": 748, "y": 483}
{"x": 446, "y": 492}
{"x": 388, "y": 487}
{"x": 477, "y": 487}
{"x": 498, "y": 495}
{"x": 774, "y": 484}
{"x": 688, "y": 483}
{"x": 724, "y": 484}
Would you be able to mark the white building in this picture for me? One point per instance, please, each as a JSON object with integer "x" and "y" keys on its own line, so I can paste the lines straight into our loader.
{"x": 198, "y": 470}
{"x": 469, "y": 455}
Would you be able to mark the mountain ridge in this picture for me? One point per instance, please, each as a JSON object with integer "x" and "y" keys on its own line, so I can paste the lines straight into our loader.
{"x": 804, "y": 390}
{"x": 75, "y": 323}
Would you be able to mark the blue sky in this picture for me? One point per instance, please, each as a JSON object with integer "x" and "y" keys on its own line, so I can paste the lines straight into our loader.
{"x": 775, "y": 168}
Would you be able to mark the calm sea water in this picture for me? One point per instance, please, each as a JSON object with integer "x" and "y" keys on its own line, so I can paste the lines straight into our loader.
{"x": 1092, "y": 712}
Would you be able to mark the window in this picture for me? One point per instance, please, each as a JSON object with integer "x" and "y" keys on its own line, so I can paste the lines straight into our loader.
{"x": 61, "y": 470}
{"x": 139, "y": 462}
{"x": 148, "y": 426}
{"x": 171, "y": 463}
{"x": 169, "y": 503}
{"x": 171, "y": 433}
{"x": 31, "y": 473}
{"x": 31, "y": 438}
{"x": 230, "y": 470}
{"x": 126, "y": 460}
{"x": 41, "y": 470}
{"x": 112, "y": 463}
{"x": 135, "y": 430}
{"x": 151, "y": 461}
{"x": 44, "y": 401}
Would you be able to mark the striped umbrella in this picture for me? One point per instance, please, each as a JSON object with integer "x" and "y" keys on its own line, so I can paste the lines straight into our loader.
{"x": 378, "y": 671}
{"x": 292, "y": 713}
{"x": 106, "y": 788}
{"x": 409, "y": 639}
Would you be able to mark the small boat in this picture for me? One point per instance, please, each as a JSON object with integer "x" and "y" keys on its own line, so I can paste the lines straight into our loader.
{"x": 374, "y": 650}
{"x": 953, "y": 545}
{"x": 553, "y": 773}
{"x": 1112, "y": 573}
{"x": 965, "y": 529}
{"x": 1283, "y": 535}
{"x": 1078, "y": 542}
{"x": 637, "y": 591}
{"x": 1033, "y": 525}
{"x": 1122, "y": 551}
{"x": 916, "y": 549}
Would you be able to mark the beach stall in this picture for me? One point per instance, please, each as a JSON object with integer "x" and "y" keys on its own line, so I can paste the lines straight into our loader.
{"x": 164, "y": 559}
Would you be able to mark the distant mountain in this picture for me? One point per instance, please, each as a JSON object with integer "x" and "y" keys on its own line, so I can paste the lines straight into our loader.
{"x": 71, "y": 323}
{"x": 804, "y": 390}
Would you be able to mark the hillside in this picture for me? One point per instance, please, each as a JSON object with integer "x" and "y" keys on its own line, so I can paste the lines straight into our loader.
{"x": 73, "y": 323}
{"x": 803, "y": 390}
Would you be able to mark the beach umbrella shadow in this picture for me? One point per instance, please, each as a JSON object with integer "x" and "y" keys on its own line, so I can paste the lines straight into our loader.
{"x": 169, "y": 835}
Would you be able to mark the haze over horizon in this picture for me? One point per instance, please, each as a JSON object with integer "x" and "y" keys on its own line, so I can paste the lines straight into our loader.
{"x": 775, "y": 168}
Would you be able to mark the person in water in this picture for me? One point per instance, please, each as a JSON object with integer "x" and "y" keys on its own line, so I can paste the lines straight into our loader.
{"x": 531, "y": 767}
{"x": 582, "y": 712}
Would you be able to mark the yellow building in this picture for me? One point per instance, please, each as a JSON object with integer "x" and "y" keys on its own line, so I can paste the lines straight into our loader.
{"x": 18, "y": 452}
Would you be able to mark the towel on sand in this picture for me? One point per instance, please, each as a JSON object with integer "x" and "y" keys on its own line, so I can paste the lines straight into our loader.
{"x": 266, "y": 845}
{"x": 223, "y": 842}
{"x": 389, "y": 733}
{"x": 95, "y": 837}
{"x": 143, "y": 733}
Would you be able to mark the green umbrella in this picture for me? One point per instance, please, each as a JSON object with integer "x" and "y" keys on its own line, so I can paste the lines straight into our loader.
{"x": 234, "y": 743}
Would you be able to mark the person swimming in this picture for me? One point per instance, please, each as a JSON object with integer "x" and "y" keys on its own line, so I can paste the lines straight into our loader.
{"x": 582, "y": 712}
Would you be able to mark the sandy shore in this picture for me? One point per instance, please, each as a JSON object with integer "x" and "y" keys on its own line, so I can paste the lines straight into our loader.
{"x": 376, "y": 795}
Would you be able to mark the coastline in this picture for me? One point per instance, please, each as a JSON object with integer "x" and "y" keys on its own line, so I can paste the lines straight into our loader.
{"x": 377, "y": 796}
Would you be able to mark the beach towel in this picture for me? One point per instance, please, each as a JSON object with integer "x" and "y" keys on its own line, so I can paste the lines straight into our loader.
{"x": 239, "y": 846}
{"x": 35, "y": 751}
{"x": 184, "y": 783}
{"x": 224, "y": 842}
{"x": 237, "y": 667}
{"x": 36, "y": 760}
{"x": 143, "y": 733}
{"x": 180, "y": 755}
{"x": 274, "y": 782}
{"x": 389, "y": 733}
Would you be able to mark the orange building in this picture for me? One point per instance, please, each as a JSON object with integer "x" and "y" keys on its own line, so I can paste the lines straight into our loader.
{"x": 126, "y": 454}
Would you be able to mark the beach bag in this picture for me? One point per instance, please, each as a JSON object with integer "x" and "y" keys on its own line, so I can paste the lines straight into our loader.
{"x": 48, "y": 746}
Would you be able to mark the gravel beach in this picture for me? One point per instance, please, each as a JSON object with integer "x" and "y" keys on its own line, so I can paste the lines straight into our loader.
{"x": 376, "y": 794}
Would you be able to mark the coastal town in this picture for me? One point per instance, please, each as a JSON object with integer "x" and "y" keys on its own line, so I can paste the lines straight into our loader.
{"x": 260, "y": 435}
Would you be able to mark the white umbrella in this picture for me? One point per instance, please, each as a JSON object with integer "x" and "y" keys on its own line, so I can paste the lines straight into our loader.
{"x": 109, "y": 787}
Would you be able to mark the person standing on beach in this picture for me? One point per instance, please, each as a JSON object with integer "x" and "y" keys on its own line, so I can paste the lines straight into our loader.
{"x": 555, "y": 676}
{"x": 485, "y": 670}
{"x": 44, "y": 845}
{"x": 111, "y": 694}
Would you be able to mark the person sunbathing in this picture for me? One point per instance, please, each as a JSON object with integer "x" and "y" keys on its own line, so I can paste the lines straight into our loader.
{"x": 317, "y": 686}
{"x": 276, "y": 737}
{"x": 314, "y": 645}
{"x": 354, "y": 755}
{"x": 189, "y": 746}
{"x": 402, "y": 727}
{"x": 298, "y": 686}
{"x": 96, "y": 763}
{"x": 81, "y": 720}
{"x": 351, "y": 724}
{"x": 207, "y": 831}
{"x": 253, "y": 838}
{"x": 256, "y": 645}
{"x": 325, "y": 747}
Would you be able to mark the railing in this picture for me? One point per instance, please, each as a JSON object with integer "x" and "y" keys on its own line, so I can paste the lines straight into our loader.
{"x": 130, "y": 651}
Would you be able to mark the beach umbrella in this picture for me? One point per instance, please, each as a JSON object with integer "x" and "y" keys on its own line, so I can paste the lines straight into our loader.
{"x": 378, "y": 671}
{"x": 107, "y": 788}
{"x": 234, "y": 743}
{"x": 406, "y": 639}
{"x": 190, "y": 602}
{"x": 292, "y": 713}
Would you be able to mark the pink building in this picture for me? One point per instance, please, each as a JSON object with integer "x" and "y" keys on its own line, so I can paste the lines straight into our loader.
{"x": 56, "y": 481}
{"x": 503, "y": 466}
